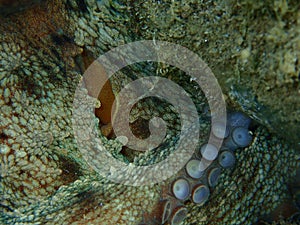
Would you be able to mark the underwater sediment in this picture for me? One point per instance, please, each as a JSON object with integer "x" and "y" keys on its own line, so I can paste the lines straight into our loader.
{"x": 252, "y": 48}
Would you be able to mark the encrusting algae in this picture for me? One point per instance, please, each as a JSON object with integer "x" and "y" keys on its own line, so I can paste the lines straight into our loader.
{"x": 45, "y": 50}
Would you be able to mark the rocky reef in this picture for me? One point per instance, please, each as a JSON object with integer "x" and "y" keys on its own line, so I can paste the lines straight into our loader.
{"x": 252, "y": 48}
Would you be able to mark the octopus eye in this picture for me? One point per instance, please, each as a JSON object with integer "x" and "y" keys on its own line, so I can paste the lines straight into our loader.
{"x": 193, "y": 169}
{"x": 181, "y": 189}
{"x": 209, "y": 152}
{"x": 226, "y": 159}
{"x": 178, "y": 215}
{"x": 200, "y": 194}
{"x": 213, "y": 176}
{"x": 241, "y": 137}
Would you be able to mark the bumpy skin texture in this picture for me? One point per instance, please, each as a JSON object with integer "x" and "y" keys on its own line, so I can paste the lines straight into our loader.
{"x": 44, "y": 179}
{"x": 252, "y": 47}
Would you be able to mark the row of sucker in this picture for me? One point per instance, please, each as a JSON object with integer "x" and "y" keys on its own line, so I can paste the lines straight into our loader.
{"x": 196, "y": 181}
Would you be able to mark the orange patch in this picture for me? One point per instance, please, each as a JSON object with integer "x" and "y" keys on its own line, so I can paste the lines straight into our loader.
{"x": 94, "y": 78}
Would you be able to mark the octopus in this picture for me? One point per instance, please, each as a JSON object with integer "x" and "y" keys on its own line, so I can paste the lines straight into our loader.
{"x": 44, "y": 177}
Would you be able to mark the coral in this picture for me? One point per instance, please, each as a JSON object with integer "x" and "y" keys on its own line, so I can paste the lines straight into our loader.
{"x": 44, "y": 50}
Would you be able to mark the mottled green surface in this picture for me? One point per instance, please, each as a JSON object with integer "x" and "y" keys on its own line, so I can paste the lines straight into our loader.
{"x": 43, "y": 176}
{"x": 253, "y": 47}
